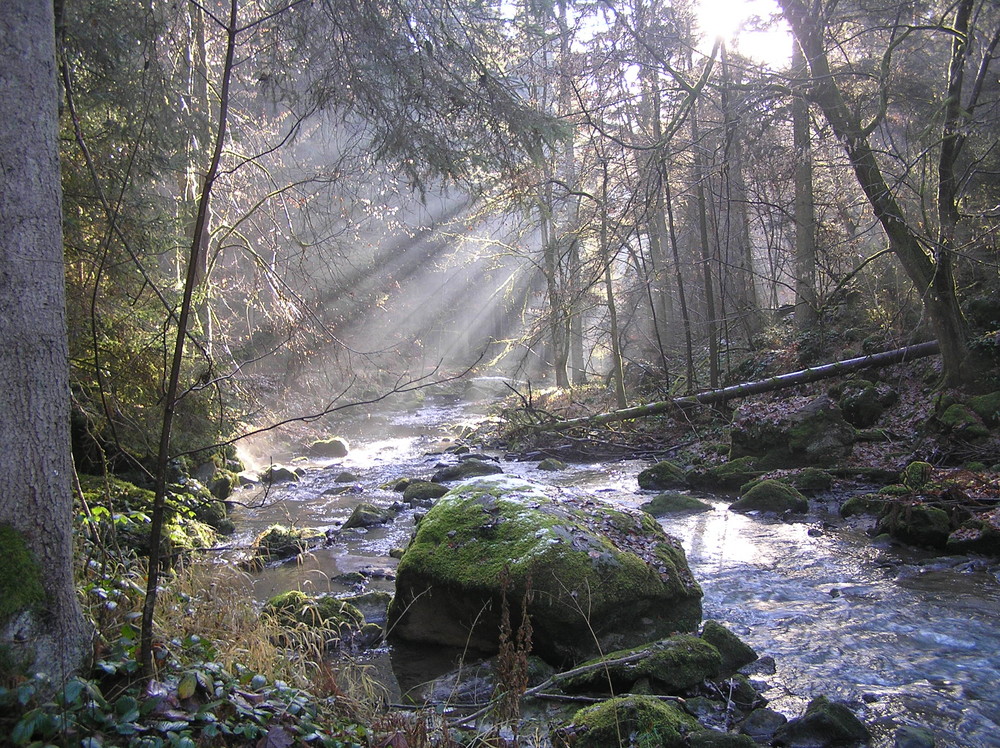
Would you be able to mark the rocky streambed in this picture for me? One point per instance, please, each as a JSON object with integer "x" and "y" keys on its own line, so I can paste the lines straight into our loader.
{"x": 906, "y": 640}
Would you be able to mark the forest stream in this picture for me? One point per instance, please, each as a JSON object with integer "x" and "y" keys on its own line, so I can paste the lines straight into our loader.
{"x": 906, "y": 637}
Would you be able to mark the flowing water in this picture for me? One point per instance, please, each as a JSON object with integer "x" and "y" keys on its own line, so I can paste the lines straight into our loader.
{"x": 907, "y": 638}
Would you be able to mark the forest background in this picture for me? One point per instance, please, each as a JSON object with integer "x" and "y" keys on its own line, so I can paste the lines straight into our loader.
{"x": 275, "y": 210}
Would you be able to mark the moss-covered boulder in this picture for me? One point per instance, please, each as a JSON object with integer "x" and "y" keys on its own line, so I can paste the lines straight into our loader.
{"x": 825, "y": 723}
{"x": 421, "y": 491}
{"x": 987, "y": 407}
{"x": 602, "y": 579}
{"x": 331, "y": 448}
{"x": 810, "y": 480}
{"x": 863, "y": 402}
{"x": 772, "y": 496}
{"x": 551, "y": 464}
{"x": 369, "y": 515}
{"x": 961, "y": 420}
{"x": 674, "y": 502}
{"x": 471, "y": 468}
{"x": 632, "y": 722}
{"x": 669, "y": 666}
{"x": 729, "y": 475}
{"x": 279, "y": 474}
{"x": 734, "y": 651}
{"x": 916, "y": 523}
{"x": 980, "y": 534}
{"x": 867, "y": 503}
{"x": 279, "y": 542}
{"x": 661, "y": 476}
{"x": 814, "y": 433}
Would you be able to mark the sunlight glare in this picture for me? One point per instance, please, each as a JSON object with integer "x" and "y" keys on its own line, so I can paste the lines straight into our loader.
{"x": 732, "y": 21}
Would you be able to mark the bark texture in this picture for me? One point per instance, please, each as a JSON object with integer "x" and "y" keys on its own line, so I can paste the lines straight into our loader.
{"x": 36, "y": 503}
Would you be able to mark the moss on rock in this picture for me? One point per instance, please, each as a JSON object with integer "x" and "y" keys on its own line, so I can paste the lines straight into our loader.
{"x": 422, "y": 490}
{"x": 987, "y": 407}
{"x": 661, "y": 476}
{"x": 824, "y": 723}
{"x": 594, "y": 571}
{"x": 734, "y": 651}
{"x": 916, "y": 475}
{"x": 731, "y": 474}
{"x": 771, "y": 496}
{"x": 337, "y": 621}
{"x": 368, "y": 515}
{"x": 466, "y": 469}
{"x": 714, "y": 739}
{"x": 867, "y": 503}
{"x": 916, "y": 524}
{"x": 961, "y": 420}
{"x": 674, "y": 502}
{"x": 280, "y": 542}
{"x": 334, "y": 446}
{"x": 669, "y": 666}
{"x": 633, "y": 721}
{"x": 551, "y": 464}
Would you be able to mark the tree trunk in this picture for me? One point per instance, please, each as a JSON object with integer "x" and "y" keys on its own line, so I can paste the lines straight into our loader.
{"x": 41, "y": 626}
{"x": 701, "y": 176}
{"x": 805, "y": 208}
{"x": 812, "y": 374}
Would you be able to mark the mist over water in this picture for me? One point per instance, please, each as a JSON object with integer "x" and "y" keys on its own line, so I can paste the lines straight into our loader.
{"x": 907, "y": 638}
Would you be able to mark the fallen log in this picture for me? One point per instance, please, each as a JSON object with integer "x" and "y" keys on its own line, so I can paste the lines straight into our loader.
{"x": 812, "y": 374}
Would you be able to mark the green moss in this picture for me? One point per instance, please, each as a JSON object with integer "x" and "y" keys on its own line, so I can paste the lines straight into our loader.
{"x": 20, "y": 577}
{"x": 551, "y": 464}
{"x": 917, "y": 524}
{"x": 324, "y": 611}
{"x": 673, "y": 502}
{"x": 670, "y": 666}
{"x": 713, "y": 739}
{"x": 633, "y": 721}
{"x": 278, "y": 541}
{"x": 422, "y": 490}
{"x": 811, "y": 479}
{"x": 731, "y": 475}
{"x": 734, "y": 651}
{"x": 661, "y": 476}
{"x": 961, "y": 420}
{"x": 894, "y": 489}
{"x": 771, "y": 496}
{"x": 986, "y": 407}
{"x": 916, "y": 475}
{"x": 470, "y": 537}
{"x": 868, "y": 503}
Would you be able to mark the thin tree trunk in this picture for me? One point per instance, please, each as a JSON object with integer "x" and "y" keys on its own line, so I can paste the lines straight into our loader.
{"x": 682, "y": 300}
{"x": 617, "y": 365}
{"x": 173, "y": 383}
{"x": 706, "y": 255}
{"x": 805, "y": 208}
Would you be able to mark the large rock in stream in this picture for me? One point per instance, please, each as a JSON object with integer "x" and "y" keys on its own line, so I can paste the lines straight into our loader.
{"x": 601, "y": 579}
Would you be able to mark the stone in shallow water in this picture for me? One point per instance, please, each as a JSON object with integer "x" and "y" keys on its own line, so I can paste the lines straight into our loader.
{"x": 601, "y": 579}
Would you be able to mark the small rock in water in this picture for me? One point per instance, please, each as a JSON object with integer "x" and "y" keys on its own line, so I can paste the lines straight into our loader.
{"x": 815, "y": 532}
{"x": 909, "y": 736}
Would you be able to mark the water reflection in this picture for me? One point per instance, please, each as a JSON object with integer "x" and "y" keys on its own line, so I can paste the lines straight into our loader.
{"x": 908, "y": 639}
